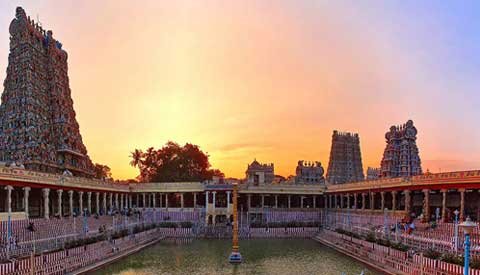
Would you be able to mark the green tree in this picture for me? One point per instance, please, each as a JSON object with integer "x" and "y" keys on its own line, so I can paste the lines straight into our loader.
{"x": 173, "y": 163}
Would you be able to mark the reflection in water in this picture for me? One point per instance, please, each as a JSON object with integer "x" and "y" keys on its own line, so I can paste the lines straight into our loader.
{"x": 260, "y": 257}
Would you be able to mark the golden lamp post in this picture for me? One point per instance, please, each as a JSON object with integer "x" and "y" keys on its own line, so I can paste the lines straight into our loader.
{"x": 235, "y": 256}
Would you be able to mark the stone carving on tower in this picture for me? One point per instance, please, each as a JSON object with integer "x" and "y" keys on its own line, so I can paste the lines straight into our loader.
{"x": 345, "y": 164}
{"x": 401, "y": 158}
{"x": 258, "y": 173}
{"x": 373, "y": 173}
{"x": 309, "y": 172}
{"x": 38, "y": 127}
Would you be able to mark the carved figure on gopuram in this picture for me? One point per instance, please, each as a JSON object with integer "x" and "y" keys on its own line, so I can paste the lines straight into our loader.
{"x": 38, "y": 127}
{"x": 401, "y": 158}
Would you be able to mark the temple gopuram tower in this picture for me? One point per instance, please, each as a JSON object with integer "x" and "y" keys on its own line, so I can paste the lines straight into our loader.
{"x": 400, "y": 158}
{"x": 345, "y": 164}
{"x": 38, "y": 128}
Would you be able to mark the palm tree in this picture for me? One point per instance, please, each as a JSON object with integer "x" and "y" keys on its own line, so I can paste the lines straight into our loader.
{"x": 137, "y": 156}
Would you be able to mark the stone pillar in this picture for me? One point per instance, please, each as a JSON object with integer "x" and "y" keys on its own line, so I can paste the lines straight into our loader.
{"x": 348, "y": 201}
{"x": 144, "y": 200}
{"x": 46, "y": 203}
{"x": 194, "y": 200}
{"x": 181, "y": 200}
{"x": 301, "y": 201}
{"x": 116, "y": 200}
{"x": 121, "y": 201}
{"x": 341, "y": 200}
{"x": 444, "y": 204}
{"x": 462, "y": 204}
{"x": 394, "y": 201}
{"x": 289, "y": 201}
{"x": 408, "y": 202}
{"x": 335, "y": 201}
{"x": 26, "y": 192}
{"x": 249, "y": 201}
{"x": 154, "y": 200}
{"x": 104, "y": 203}
{"x": 59, "y": 193}
{"x": 276, "y": 201}
{"x": 206, "y": 200}
{"x": 70, "y": 202}
{"x": 214, "y": 193}
{"x": 228, "y": 200}
{"x": 263, "y": 201}
{"x": 111, "y": 201}
{"x": 9, "y": 189}
{"x": 355, "y": 200}
{"x": 364, "y": 203}
{"x": 382, "y": 201}
{"x": 325, "y": 201}
{"x": 97, "y": 202}
{"x": 426, "y": 205}
{"x": 89, "y": 202}
{"x": 80, "y": 202}
{"x": 330, "y": 201}
{"x": 314, "y": 201}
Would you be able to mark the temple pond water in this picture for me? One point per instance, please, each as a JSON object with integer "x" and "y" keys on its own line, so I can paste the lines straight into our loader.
{"x": 260, "y": 256}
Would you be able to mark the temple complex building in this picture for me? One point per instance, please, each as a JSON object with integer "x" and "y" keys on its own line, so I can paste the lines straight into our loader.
{"x": 259, "y": 173}
{"x": 309, "y": 172}
{"x": 373, "y": 173}
{"x": 38, "y": 128}
{"x": 345, "y": 164}
{"x": 400, "y": 158}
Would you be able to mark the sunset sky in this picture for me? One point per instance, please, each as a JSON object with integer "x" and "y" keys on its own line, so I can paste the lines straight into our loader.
{"x": 268, "y": 80}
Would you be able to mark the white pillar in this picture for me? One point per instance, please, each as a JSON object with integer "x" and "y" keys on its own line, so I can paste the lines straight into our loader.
{"x": 46, "y": 202}
{"x": 26, "y": 191}
{"x": 228, "y": 201}
{"x": 289, "y": 201}
{"x": 276, "y": 201}
{"x": 105, "y": 203}
{"x": 89, "y": 202}
{"x": 161, "y": 200}
{"x": 154, "y": 200}
{"x": 80, "y": 202}
{"x": 194, "y": 200}
{"x": 181, "y": 200}
{"x": 70, "y": 202}
{"x": 9, "y": 189}
{"x": 249, "y": 201}
{"x": 301, "y": 201}
{"x": 59, "y": 193}
{"x": 166, "y": 201}
{"x": 206, "y": 201}
{"x": 144, "y": 201}
{"x": 116, "y": 200}
{"x": 111, "y": 201}
{"x": 315, "y": 202}
{"x": 263, "y": 200}
{"x": 97, "y": 202}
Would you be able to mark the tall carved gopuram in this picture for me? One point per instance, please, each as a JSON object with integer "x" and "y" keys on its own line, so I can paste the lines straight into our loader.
{"x": 38, "y": 128}
{"x": 400, "y": 158}
{"x": 345, "y": 164}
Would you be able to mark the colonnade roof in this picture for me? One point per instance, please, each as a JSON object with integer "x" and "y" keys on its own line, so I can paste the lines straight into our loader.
{"x": 447, "y": 180}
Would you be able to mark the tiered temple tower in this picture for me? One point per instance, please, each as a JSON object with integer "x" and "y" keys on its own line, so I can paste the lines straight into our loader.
{"x": 400, "y": 158}
{"x": 258, "y": 173}
{"x": 38, "y": 127}
{"x": 345, "y": 163}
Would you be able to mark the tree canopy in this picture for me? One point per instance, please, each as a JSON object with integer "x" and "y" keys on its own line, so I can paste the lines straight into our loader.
{"x": 102, "y": 172}
{"x": 173, "y": 163}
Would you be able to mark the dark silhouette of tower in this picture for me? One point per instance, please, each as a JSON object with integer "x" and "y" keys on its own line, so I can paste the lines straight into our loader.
{"x": 345, "y": 164}
{"x": 401, "y": 158}
{"x": 38, "y": 127}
